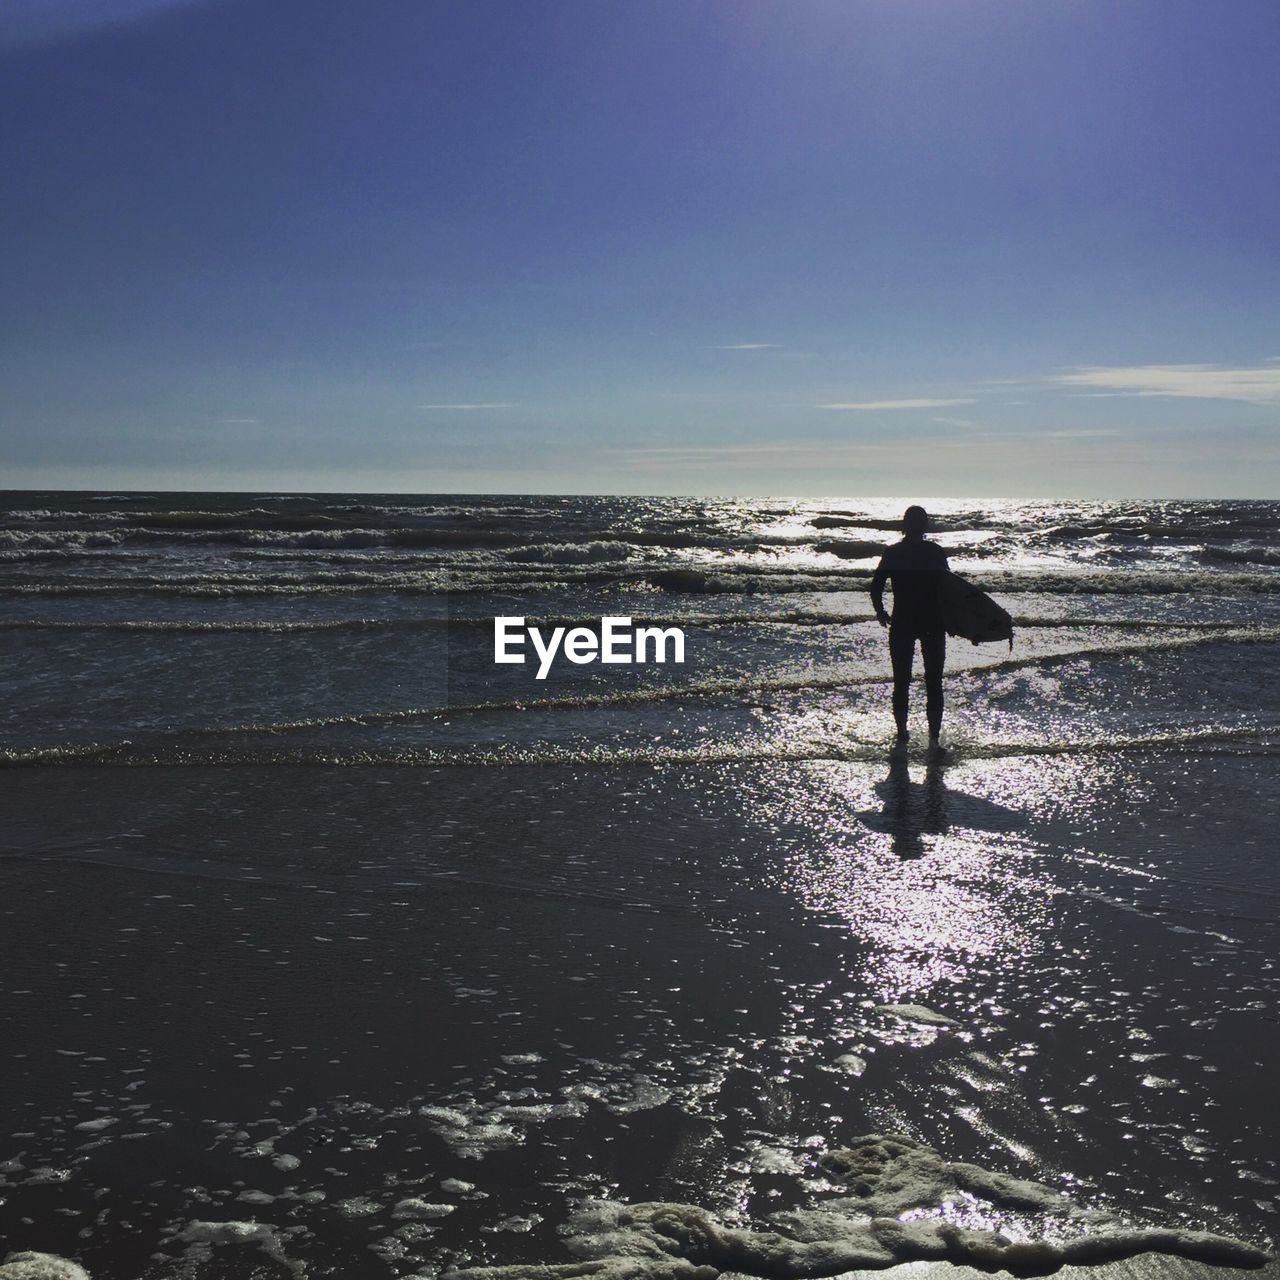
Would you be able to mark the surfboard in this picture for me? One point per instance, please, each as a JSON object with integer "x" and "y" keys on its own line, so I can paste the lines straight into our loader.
{"x": 972, "y": 614}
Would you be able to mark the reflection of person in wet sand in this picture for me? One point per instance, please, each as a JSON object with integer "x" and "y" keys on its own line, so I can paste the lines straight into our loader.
{"x": 911, "y": 812}
{"x": 915, "y": 568}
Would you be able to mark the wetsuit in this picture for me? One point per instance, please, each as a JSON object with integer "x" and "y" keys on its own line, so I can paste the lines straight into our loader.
{"x": 915, "y": 568}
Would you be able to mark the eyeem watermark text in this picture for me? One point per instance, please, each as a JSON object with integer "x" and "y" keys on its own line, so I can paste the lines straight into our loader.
{"x": 616, "y": 641}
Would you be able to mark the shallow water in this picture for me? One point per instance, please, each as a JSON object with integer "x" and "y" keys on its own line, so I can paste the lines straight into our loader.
{"x": 363, "y": 918}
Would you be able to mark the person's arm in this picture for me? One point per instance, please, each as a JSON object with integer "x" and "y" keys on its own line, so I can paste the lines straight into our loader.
{"x": 877, "y": 592}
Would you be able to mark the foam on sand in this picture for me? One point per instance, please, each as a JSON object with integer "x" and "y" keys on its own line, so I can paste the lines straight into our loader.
{"x": 413, "y": 1207}
{"x": 919, "y": 1013}
{"x": 28, "y": 1265}
{"x": 901, "y": 1192}
{"x": 202, "y": 1237}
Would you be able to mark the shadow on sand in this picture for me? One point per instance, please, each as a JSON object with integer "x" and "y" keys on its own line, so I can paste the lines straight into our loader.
{"x": 912, "y": 810}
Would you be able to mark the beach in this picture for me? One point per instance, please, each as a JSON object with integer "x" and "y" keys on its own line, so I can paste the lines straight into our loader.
{"x": 332, "y": 948}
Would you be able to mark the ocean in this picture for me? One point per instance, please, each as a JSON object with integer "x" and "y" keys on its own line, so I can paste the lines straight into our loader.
{"x": 332, "y": 948}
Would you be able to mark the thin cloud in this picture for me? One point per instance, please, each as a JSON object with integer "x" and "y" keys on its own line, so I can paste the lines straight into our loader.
{"x": 695, "y": 452}
{"x": 864, "y": 405}
{"x": 1258, "y": 385}
{"x": 1082, "y": 434}
{"x": 751, "y": 346}
{"x": 496, "y": 405}
{"x": 790, "y": 454}
{"x": 240, "y": 422}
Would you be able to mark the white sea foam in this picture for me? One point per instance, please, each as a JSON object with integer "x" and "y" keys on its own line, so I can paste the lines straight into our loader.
{"x": 201, "y": 1237}
{"x": 473, "y": 1131}
{"x": 29, "y": 1265}
{"x": 413, "y": 1207}
{"x": 851, "y": 1063}
{"x": 570, "y": 552}
{"x": 894, "y": 1215}
{"x": 917, "y": 1013}
{"x": 358, "y": 1207}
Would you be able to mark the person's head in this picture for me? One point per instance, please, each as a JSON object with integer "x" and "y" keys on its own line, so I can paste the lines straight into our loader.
{"x": 915, "y": 521}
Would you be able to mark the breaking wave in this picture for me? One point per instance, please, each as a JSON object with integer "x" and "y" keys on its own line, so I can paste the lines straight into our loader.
{"x": 843, "y": 748}
{"x": 787, "y": 618}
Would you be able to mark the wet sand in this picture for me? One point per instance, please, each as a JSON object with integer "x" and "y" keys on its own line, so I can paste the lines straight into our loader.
{"x": 299, "y": 997}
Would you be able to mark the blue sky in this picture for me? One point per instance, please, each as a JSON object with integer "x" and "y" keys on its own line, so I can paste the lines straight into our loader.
{"x": 999, "y": 247}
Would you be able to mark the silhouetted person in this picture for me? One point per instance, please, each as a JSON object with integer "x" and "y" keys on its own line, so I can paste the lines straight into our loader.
{"x": 915, "y": 568}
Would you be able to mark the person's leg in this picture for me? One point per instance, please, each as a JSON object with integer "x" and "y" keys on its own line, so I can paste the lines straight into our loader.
{"x": 902, "y": 647}
{"x": 933, "y": 649}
